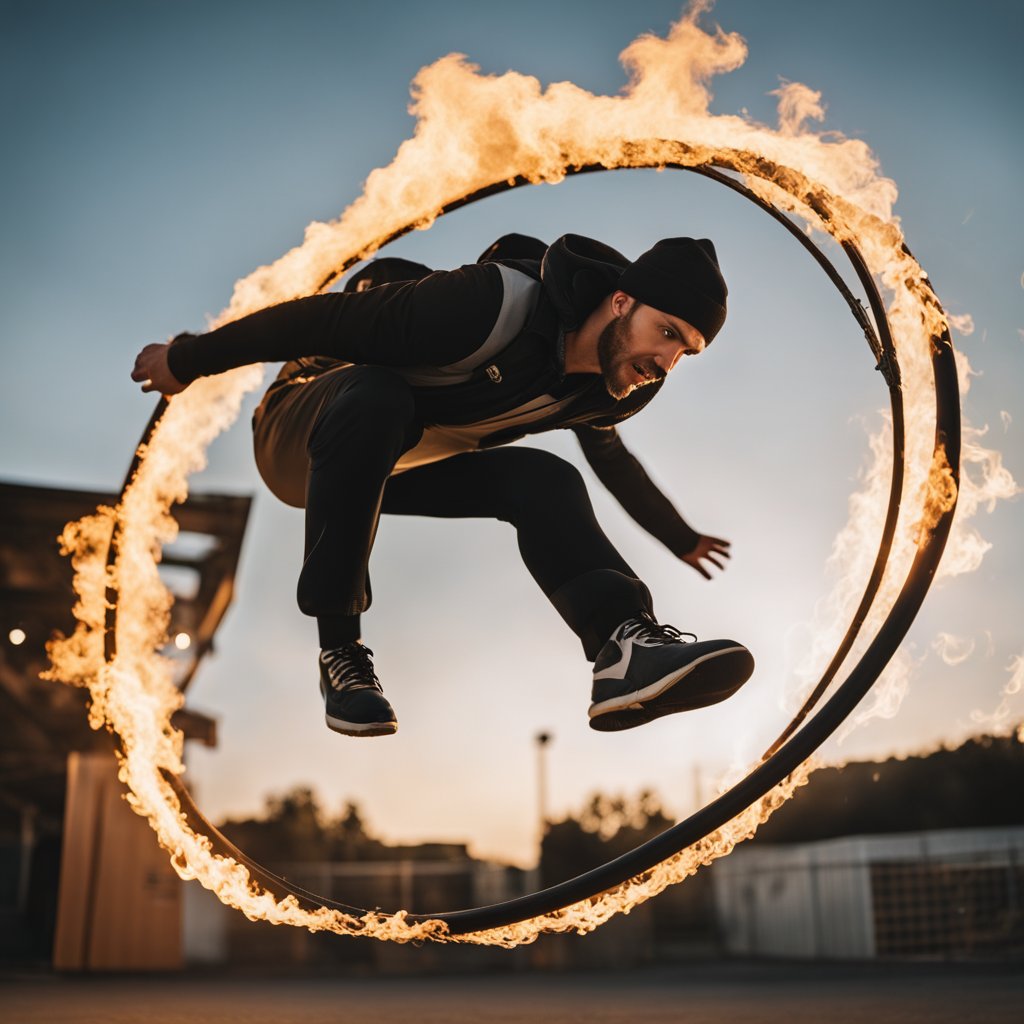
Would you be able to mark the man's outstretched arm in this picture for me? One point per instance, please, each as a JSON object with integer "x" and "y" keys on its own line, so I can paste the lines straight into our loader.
{"x": 432, "y": 322}
{"x": 628, "y": 481}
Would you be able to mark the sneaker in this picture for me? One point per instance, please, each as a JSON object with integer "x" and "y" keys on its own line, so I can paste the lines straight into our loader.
{"x": 647, "y": 670}
{"x": 354, "y": 701}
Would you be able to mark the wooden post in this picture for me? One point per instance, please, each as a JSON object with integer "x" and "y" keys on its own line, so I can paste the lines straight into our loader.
{"x": 119, "y": 904}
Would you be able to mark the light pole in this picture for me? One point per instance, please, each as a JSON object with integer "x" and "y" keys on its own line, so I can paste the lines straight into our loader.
{"x": 542, "y": 739}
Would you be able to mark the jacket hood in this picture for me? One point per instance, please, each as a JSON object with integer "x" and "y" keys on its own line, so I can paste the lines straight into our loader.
{"x": 577, "y": 273}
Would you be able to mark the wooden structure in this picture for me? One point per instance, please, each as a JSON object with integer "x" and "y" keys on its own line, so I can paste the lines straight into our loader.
{"x": 81, "y": 877}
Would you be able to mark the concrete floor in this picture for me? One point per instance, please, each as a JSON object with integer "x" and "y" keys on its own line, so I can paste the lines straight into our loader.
{"x": 730, "y": 993}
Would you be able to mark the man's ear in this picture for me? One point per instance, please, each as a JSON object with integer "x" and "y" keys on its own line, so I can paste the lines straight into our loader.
{"x": 621, "y": 303}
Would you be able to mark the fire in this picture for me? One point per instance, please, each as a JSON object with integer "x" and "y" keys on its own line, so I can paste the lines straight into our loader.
{"x": 954, "y": 650}
{"x": 1000, "y": 722}
{"x": 474, "y": 131}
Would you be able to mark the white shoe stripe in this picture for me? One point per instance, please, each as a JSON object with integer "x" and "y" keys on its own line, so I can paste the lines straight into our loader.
{"x": 619, "y": 669}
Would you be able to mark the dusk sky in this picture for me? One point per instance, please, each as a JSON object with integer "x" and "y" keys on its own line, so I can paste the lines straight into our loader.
{"x": 157, "y": 152}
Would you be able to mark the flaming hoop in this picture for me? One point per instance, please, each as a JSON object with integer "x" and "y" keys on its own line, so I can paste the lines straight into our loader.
{"x": 582, "y": 903}
{"x": 479, "y": 136}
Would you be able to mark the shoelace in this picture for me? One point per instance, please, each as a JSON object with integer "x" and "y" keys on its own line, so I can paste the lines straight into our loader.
{"x": 349, "y": 668}
{"x": 645, "y": 628}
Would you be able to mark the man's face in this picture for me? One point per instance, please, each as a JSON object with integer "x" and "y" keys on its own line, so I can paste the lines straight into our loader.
{"x": 642, "y": 345}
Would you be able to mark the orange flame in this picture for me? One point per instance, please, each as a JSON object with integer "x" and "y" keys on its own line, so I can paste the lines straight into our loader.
{"x": 474, "y": 130}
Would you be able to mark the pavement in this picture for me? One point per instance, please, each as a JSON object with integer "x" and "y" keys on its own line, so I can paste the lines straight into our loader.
{"x": 701, "y": 993}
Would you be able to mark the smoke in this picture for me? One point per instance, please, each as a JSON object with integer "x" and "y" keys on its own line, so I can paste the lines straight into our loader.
{"x": 1001, "y": 721}
{"x": 797, "y": 104}
{"x": 953, "y": 650}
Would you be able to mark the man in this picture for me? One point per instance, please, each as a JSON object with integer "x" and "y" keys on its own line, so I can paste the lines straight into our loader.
{"x": 397, "y": 395}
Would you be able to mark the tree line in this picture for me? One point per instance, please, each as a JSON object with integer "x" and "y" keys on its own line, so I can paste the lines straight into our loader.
{"x": 972, "y": 786}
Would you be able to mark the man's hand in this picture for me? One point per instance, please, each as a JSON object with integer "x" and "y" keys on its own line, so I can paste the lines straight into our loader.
{"x": 152, "y": 370}
{"x": 708, "y": 549}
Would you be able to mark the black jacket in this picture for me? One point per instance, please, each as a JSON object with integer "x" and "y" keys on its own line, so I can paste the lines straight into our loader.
{"x": 477, "y": 342}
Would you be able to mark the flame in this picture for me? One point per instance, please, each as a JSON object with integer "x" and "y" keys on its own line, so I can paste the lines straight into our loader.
{"x": 472, "y": 131}
{"x": 954, "y": 650}
{"x": 999, "y": 722}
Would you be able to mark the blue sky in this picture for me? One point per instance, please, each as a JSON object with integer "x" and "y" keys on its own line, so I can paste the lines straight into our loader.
{"x": 156, "y": 152}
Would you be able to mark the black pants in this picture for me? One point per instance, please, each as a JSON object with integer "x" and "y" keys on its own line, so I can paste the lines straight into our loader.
{"x": 331, "y": 444}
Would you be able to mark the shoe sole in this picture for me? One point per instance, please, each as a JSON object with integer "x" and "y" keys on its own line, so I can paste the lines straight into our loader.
{"x": 346, "y": 728}
{"x": 360, "y": 728}
{"x": 716, "y": 677}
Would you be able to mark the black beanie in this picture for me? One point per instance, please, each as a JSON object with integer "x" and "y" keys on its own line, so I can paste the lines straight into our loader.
{"x": 680, "y": 276}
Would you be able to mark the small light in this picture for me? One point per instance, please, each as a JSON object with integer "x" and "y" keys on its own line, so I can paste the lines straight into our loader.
{"x": 17, "y": 636}
{"x": 183, "y": 641}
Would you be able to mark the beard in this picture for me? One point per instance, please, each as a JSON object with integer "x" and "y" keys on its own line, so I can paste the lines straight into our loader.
{"x": 613, "y": 344}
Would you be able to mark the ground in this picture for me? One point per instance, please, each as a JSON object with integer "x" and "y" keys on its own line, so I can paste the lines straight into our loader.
{"x": 735, "y": 992}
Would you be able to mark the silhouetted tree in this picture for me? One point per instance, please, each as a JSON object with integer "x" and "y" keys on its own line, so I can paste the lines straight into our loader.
{"x": 610, "y": 825}
{"x": 294, "y": 828}
{"x": 974, "y": 786}
{"x": 605, "y": 828}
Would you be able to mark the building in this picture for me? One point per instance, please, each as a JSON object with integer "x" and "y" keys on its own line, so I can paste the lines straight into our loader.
{"x": 956, "y": 893}
{"x": 82, "y": 882}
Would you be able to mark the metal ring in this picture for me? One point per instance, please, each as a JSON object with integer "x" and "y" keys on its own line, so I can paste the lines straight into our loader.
{"x": 805, "y": 733}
